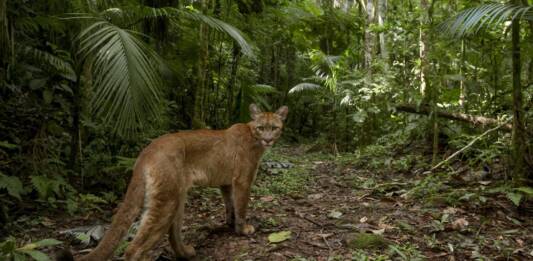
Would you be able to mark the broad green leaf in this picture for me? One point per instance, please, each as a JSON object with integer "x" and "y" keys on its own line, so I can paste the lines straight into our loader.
{"x": 526, "y": 190}
{"x": 7, "y": 145}
{"x": 37, "y": 255}
{"x": 12, "y": 184}
{"x": 514, "y": 197}
{"x": 48, "y": 242}
{"x": 279, "y": 236}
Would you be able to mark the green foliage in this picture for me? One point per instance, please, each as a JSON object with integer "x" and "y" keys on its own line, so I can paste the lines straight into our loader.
{"x": 49, "y": 187}
{"x": 473, "y": 19}
{"x": 12, "y": 184}
{"x": 9, "y": 250}
{"x": 124, "y": 67}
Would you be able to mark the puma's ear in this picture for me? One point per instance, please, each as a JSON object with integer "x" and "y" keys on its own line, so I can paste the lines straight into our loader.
{"x": 282, "y": 112}
{"x": 254, "y": 111}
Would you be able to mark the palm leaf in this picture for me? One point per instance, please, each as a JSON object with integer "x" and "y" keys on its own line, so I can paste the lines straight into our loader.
{"x": 127, "y": 81}
{"x": 305, "y": 86}
{"x": 173, "y": 13}
{"x": 474, "y": 19}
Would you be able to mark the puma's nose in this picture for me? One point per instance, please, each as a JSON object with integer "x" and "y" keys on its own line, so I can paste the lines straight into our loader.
{"x": 268, "y": 140}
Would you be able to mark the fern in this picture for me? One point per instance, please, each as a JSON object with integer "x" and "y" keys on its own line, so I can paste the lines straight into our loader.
{"x": 47, "y": 187}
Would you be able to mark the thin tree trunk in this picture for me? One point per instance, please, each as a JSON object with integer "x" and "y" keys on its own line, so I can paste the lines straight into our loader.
{"x": 75, "y": 128}
{"x": 427, "y": 91}
{"x": 382, "y": 16}
{"x": 369, "y": 49}
{"x": 369, "y": 37}
{"x": 200, "y": 91}
{"x": 518, "y": 134}
{"x": 462, "y": 96}
{"x": 231, "y": 83}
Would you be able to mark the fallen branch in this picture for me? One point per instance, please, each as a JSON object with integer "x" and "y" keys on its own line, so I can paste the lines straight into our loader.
{"x": 472, "y": 119}
{"x": 469, "y": 145}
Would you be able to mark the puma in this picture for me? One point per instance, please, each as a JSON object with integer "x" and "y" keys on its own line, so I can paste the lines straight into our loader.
{"x": 172, "y": 164}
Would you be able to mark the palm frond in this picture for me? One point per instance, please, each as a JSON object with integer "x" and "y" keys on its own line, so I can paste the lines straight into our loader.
{"x": 305, "y": 86}
{"x": 170, "y": 12}
{"x": 127, "y": 81}
{"x": 61, "y": 65}
{"x": 473, "y": 19}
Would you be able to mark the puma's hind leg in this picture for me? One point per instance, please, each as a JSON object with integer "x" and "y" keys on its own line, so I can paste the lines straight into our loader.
{"x": 175, "y": 236}
{"x": 154, "y": 224}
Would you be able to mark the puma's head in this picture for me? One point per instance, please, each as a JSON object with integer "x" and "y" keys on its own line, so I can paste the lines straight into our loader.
{"x": 266, "y": 126}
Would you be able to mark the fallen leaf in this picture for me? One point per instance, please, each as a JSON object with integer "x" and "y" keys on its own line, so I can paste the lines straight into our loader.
{"x": 324, "y": 235}
{"x": 363, "y": 219}
{"x": 267, "y": 198}
{"x": 335, "y": 214}
{"x": 451, "y": 210}
{"x": 459, "y": 224}
{"x": 385, "y": 226}
{"x": 378, "y": 231}
{"x": 315, "y": 196}
{"x": 279, "y": 236}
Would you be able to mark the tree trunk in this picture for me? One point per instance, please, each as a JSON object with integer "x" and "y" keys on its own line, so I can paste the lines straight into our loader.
{"x": 200, "y": 91}
{"x": 518, "y": 133}
{"x": 382, "y": 15}
{"x": 427, "y": 91}
{"x": 369, "y": 37}
{"x": 231, "y": 83}
{"x": 462, "y": 95}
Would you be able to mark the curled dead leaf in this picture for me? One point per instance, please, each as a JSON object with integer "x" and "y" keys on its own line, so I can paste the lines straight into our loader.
{"x": 460, "y": 224}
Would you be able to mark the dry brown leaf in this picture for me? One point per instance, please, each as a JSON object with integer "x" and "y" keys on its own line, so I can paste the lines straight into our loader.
{"x": 460, "y": 224}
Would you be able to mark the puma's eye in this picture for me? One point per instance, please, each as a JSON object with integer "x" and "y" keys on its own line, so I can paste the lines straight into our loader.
{"x": 261, "y": 128}
{"x": 275, "y": 127}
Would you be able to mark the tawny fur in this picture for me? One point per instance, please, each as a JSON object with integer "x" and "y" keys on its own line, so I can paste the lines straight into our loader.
{"x": 172, "y": 164}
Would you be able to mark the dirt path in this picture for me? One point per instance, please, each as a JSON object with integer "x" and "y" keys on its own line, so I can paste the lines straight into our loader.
{"x": 336, "y": 202}
{"x": 325, "y": 205}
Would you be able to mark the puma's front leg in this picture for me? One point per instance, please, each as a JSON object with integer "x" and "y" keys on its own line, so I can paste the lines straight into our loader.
{"x": 241, "y": 196}
{"x": 228, "y": 202}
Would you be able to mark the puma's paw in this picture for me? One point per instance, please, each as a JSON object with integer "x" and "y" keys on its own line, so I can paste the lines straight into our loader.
{"x": 245, "y": 229}
{"x": 187, "y": 252}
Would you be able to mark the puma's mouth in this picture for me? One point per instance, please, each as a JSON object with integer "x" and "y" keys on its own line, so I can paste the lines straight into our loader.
{"x": 267, "y": 144}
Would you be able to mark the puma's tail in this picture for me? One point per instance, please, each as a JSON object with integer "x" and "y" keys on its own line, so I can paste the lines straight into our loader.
{"x": 122, "y": 220}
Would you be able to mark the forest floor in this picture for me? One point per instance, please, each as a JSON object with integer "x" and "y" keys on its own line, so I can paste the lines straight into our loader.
{"x": 338, "y": 210}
